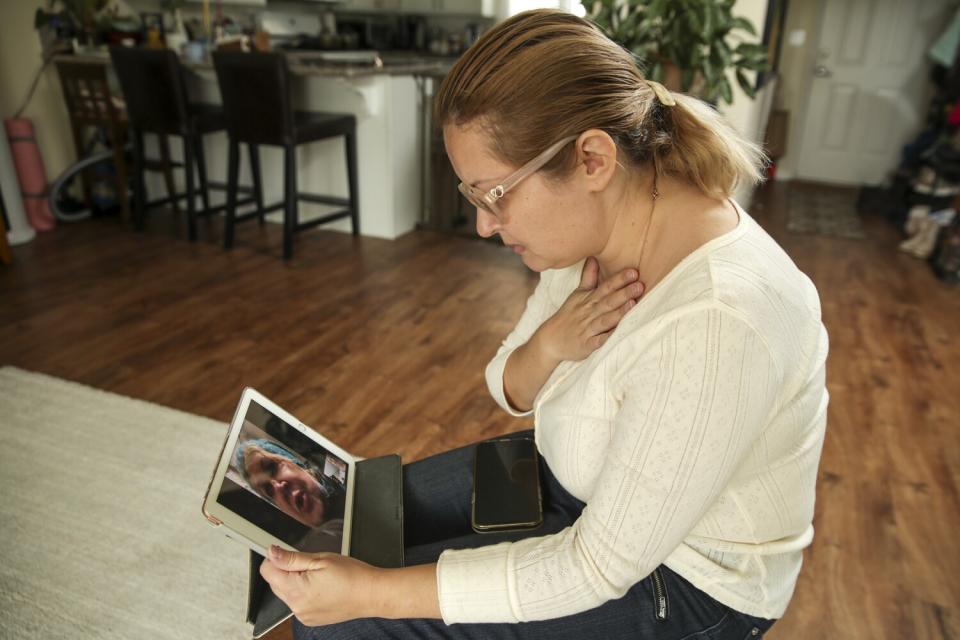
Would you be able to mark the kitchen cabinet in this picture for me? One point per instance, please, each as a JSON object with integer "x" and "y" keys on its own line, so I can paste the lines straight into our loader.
{"x": 419, "y": 6}
{"x": 453, "y": 7}
{"x": 466, "y": 7}
{"x": 246, "y": 3}
{"x": 373, "y": 5}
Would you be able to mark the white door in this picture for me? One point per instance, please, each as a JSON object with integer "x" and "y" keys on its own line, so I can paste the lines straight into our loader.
{"x": 869, "y": 91}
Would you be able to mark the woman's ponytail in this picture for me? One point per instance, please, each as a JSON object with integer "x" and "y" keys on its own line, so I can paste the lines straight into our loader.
{"x": 695, "y": 143}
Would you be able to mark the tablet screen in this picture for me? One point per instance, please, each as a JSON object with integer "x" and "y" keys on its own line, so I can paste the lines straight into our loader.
{"x": 285, "y": 483}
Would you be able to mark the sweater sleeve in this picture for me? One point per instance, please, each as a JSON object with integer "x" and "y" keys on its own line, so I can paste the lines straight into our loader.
{"x": 695, "y": 399}
{"x": 539, "y": 308}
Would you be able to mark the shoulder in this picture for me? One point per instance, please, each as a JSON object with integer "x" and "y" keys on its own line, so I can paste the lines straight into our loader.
{"x": 743, "y": 278}
{"x": 756, "y": 280}
{"x": 744, "y": 272}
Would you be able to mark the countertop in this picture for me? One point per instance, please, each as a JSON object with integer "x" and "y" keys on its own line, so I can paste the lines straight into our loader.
{"x": 308, "y": 63}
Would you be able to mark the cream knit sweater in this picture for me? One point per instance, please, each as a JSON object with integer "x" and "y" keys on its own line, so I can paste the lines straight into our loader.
{"x": 693, "y": 435}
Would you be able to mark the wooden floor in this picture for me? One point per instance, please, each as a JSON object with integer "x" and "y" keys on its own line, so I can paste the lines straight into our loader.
{"x": 381, "y": 346}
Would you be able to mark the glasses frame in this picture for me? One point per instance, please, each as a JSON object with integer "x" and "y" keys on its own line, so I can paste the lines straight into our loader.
{"x": 487, "y": 200}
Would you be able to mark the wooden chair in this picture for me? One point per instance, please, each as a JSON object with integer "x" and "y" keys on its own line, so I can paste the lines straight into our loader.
{"x": 91, "y": 104}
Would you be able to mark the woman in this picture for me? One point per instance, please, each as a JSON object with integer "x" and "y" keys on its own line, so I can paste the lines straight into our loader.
{"x": 672, "y": 357}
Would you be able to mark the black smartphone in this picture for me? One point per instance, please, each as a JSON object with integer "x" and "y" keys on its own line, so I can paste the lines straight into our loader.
{"x": 506, "y": 486}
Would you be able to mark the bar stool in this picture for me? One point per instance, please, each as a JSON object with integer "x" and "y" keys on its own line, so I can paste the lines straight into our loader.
{"x": 155, "y": 92}
{"x": 255, "y": 88}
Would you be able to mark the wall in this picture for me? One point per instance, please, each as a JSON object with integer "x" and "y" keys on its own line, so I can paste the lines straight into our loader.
{"x": 20, "y": 58}
{"x": 747, "y": 116}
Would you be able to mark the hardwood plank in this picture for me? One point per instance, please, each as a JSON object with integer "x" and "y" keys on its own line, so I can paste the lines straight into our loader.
{"x": 382, "y": 345}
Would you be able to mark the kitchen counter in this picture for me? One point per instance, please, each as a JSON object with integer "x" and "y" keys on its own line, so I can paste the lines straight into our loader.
{"x": 306, "y": 68}
{"x": 310, "y": 63}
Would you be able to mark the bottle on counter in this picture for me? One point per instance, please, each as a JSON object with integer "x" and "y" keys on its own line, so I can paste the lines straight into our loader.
{"x": 177, "y": 36}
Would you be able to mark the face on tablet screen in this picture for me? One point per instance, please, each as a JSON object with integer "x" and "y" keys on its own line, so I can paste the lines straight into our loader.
{"x": 296, "y": 491}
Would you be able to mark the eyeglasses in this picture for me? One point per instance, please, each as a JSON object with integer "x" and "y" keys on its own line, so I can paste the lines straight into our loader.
{"x": 487, "y": 200}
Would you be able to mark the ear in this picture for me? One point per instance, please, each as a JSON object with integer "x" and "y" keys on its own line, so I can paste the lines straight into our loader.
{"x": 597, "y": 158}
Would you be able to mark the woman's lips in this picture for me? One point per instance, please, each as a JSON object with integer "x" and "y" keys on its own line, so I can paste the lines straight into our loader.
{"x": 517, "y": 248}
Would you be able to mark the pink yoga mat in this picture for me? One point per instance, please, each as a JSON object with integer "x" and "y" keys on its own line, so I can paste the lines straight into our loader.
{"x": 30, "y": 173}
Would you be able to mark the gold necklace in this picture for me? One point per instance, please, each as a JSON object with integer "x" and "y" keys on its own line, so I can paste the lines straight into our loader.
{"x": 646, "y": 231}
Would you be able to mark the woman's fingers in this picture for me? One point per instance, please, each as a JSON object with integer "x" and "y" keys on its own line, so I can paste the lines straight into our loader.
{"x": 604, "y": 302}
{"x": 597, "y": 341}
{"x": 608, "y": 321}
{"x": 574, "y": 331}
{"x": 296, "y": 561}
{"x": 621, "y": 296}
{"x": 618, "y": 281}
{"x": 590, "y": 273}
{"x": 617, "y": 290}
{"x": 612, "y": 307}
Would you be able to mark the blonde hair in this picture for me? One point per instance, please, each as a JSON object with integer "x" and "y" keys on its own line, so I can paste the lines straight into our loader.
{"x": 543, "y": 75}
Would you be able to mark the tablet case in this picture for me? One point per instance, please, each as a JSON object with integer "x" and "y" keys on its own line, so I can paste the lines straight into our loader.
{"x": 376, "y": 536}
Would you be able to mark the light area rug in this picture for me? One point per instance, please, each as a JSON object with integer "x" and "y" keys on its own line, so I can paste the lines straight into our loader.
{"x": 101, "y": 532}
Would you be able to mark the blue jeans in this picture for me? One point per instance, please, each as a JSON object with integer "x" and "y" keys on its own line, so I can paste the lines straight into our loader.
{"x": 436, "y": 495}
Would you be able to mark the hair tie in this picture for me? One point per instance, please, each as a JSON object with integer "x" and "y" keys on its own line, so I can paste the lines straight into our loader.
{"x": 663, "y": 95}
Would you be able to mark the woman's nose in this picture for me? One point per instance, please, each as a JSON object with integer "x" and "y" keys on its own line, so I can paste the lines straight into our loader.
{"x": 487, "y": 223}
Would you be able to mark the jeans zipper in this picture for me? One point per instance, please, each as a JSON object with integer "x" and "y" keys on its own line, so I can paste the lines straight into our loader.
{"x": 660, "y": 603}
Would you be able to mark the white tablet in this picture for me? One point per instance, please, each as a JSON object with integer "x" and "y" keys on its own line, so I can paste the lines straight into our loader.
{"x": 279, "y": 482}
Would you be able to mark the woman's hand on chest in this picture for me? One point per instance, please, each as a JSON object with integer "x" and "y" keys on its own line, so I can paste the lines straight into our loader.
{"x": 584, "y": 322}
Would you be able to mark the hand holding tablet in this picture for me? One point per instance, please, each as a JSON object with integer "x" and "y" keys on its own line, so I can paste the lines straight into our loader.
{"x": 279, "y": 483}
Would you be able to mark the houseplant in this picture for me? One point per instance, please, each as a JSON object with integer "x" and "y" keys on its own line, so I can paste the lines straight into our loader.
{"x": 689, "y": 45}
{"x": 70, "y": 19}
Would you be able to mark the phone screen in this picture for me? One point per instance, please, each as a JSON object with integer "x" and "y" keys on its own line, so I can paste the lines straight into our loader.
{"x": 506, "y": 485}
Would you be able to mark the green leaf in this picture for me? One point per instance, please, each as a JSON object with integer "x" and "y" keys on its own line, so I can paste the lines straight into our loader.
{"x": 708, "y": 71}
{"x": 750, "y": 49}
{"x": 709, "y": 94}
{"x": 743, "y": 23}
{"x": 693, "y": 21}
{"x": 656, "y": 8}
{"x": 723, "y": 52}
{"x": 726, "y": 91}
{"x": 745, "y": 84}
{"x": 698, "y": 18}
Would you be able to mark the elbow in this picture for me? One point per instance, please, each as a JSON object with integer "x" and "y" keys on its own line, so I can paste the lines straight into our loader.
{"x": 611, "y": 574}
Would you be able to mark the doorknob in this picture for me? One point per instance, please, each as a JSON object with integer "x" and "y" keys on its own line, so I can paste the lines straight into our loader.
{"x": 821, "y": 71}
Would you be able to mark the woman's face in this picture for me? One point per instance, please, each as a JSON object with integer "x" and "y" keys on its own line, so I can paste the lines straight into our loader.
{"x": 546, "y": 224}
{"x": 291, "y": 488}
